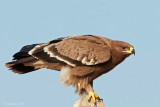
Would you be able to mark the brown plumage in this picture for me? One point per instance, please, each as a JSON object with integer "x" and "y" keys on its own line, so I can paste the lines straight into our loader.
{"x": 81, "y": 59}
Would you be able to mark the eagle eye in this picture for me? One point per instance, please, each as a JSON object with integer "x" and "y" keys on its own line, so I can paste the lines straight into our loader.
{"x": 123, "y": 47}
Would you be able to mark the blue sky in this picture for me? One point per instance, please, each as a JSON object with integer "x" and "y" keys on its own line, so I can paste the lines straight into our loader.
{"x": 134, "y": 83}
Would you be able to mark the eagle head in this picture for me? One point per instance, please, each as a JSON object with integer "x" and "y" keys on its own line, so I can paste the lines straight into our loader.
{"x": 121, "y": 50}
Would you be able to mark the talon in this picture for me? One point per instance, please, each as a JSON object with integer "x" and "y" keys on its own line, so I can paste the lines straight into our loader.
{"x": 100, "y": 100}
{"x": 95, "y": 105}
{"x": 89, "y": 100}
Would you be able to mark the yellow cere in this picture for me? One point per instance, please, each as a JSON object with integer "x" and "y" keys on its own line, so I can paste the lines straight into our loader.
{"x": 129, "y": 51}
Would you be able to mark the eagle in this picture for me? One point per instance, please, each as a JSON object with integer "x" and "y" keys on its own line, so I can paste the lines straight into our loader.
{"x": 80, "y": 59}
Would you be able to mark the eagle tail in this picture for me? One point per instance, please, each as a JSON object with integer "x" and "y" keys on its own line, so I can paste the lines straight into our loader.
{"x": 22, "y": 58}
{"x": 23, "y": 62}
{"x": 20, "y": 67}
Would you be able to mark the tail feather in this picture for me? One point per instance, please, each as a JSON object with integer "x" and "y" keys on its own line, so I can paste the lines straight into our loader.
{"x": 21, "y": 58}
{"x": 19, "y": 65}
{"x": 24, "y": 62}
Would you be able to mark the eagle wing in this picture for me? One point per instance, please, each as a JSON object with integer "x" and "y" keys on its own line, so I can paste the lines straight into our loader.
{"x": 87, "y": 50}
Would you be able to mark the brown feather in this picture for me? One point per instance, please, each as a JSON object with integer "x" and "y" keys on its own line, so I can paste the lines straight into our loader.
{"x": 19, "y": 67}
{"x": 88, "y": 50}
{"x": 80, "y": 59}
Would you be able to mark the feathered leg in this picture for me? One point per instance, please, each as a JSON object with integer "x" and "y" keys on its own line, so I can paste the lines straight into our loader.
{"x": 92, "y": 94}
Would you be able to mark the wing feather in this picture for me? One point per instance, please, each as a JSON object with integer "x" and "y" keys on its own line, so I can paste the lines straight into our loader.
{"x": 83, "y": 49}
{"x": 76, "y": 50}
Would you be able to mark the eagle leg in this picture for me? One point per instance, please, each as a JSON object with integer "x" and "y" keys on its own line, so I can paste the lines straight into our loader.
{"x": 92, "y": 95}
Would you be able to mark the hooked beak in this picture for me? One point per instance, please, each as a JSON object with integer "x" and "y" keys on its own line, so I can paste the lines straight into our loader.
{"x": 130, "y": 51}
{"x": 133, "y": 51}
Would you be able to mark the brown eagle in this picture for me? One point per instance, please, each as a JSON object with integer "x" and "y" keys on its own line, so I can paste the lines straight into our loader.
{"x": 80, "y": 59}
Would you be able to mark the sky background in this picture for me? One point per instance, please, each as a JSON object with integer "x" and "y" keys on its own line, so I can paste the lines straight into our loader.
{"x": 133, "y": 83}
